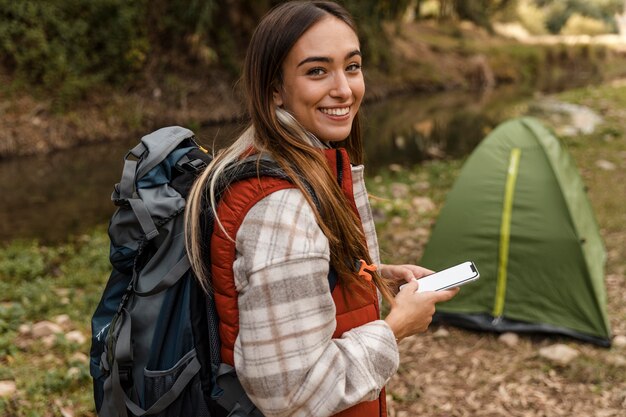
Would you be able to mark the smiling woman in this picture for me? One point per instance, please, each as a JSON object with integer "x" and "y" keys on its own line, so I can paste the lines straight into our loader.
{"x": 322, "y": 83}
{"x": 295, "y": 267}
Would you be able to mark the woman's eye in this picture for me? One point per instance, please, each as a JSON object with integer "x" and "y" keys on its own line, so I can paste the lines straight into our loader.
{"x": 353, "y": 67}
{"x": 316, "y": 71}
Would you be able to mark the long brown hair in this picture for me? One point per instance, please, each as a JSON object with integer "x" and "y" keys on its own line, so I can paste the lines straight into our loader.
{"x": 275, "y": 132}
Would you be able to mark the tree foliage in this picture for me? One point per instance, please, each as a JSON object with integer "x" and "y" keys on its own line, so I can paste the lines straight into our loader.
{"x": 69, "y": 46}
{"x": 72, "y": 43}
{"x": 559, "y": 11}
{"x": 480, "y": 12}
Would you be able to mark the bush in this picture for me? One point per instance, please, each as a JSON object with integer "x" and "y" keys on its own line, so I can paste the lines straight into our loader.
{"x": 70, "y": 45}
{"x": 532, "y": 18}
{"x": 583, "y": 25}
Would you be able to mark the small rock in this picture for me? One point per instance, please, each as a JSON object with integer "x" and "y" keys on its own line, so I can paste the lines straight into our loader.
{"x": 421, "y": 186}
{"x": 423, "y": 204}
{"x": 399, "y": 190}
{"x": 65, "y": 411}
{"x": 510, "y": 339}
{"x": 619, "y": 341}
{"x": 435, "y": 152}
{"x": 559, "y": 353}
{"x": 79, "y": 357}
{"x": 51, "y": 358}
{"x": 605, "y": 165}
{"x": 441, "y": 333}
{"x": 73, "y": 372}
{"x": 617, "y": 360}
{"x": 24, "y": 329}
{"x": 45, "y": 328}
{"x": 567, "y": 130}
{"x": 7, "y": 389}
{"x": 62, "y": 292}
{"x": 49, "y": 341}
{"x": 76, "y": 336}
{"x": 436, "y": 391}
{"x": 63, "y": 320}
{"x": 396, "y": 220}
{"x": 400, "y": 142}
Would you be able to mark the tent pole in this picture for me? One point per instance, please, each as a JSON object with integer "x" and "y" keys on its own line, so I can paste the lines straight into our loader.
{"x": 505, "y": 232}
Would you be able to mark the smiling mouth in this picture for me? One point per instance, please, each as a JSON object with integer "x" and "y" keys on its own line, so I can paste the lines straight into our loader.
{"x": 342, "y": 111}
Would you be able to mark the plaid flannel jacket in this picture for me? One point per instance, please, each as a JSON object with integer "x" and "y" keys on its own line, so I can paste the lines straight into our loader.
{"x": 285, "y": 356}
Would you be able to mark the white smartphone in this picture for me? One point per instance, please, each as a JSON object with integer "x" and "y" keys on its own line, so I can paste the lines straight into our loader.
{"x": 454, "y": 276}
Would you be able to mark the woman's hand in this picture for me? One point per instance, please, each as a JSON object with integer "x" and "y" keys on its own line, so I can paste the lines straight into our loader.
{"x": 412, "y": 312}
{"x": 402, "y": 274}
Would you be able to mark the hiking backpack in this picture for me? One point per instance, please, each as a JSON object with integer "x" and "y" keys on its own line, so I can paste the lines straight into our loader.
{"x": 155, "y": 344}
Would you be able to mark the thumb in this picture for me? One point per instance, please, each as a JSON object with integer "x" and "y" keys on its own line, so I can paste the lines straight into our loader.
{"x": 410, "y": 286}
{"x": 445, "y": 295}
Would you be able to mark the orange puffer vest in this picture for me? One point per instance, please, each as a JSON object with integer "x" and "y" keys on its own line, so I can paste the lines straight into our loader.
{"x": 359, "y": 305}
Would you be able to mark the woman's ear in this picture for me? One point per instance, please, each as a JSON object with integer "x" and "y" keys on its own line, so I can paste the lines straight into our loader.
{"x": 277, "y": 97}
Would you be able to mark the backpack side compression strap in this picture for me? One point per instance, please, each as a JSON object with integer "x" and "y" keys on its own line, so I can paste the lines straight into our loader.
{"x": 113, "y": 384}
{"x": 123, "y": 355}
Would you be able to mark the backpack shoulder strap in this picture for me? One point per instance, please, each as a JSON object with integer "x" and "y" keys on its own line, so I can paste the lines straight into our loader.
{"x": 265, "y": 166}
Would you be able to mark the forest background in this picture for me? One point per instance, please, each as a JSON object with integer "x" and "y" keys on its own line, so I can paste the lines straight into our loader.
{"x": 77, "y": 72}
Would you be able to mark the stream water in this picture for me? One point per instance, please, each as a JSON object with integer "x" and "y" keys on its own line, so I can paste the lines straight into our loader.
{"x": 54, "y": 196}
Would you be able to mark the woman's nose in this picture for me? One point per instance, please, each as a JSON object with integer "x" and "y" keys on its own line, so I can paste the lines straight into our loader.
{"x": 341, "y": 86}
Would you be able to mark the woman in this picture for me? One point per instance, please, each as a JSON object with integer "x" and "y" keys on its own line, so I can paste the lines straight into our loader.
{"x": 300, "y": 347}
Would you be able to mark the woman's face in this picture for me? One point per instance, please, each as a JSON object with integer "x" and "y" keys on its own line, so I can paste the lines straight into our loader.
{"x": 322, "y": 80}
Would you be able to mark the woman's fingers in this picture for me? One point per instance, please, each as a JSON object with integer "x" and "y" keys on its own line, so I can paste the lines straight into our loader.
{"x": 446, "y": 295}
{"x": 412, "y": 312}
{"x": 403, "y": 273}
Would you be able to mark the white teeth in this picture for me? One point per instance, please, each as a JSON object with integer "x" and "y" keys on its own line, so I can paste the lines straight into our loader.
{"x": 336, "y": 112}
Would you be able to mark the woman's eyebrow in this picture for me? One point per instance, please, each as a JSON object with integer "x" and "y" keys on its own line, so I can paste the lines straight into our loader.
{"x": 315, "y": 59}
{"x": 356, "y": 52}
{"x": 325, "y": 59}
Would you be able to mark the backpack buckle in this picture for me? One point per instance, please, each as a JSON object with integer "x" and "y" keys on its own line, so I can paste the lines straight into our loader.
{"x": 194, "y": 165}
{"x": 126, "y": 374}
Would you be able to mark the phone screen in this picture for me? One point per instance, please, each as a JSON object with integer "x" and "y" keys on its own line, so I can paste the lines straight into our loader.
{"x": 454, "y": 276}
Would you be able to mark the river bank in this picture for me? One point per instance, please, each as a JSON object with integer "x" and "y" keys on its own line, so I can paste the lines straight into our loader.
{"x": 425, "y": 57}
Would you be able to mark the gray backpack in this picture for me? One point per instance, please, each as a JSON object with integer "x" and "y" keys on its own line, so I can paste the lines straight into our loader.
{"x": 155, "y": 345}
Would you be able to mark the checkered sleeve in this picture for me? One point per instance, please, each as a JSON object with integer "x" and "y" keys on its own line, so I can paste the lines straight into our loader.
{"x": 285, "y": 356}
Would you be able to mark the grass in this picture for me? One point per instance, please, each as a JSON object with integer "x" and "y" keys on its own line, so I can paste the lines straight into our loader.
{"x": 39, "y": 282}
{"x": 42, "y": 283}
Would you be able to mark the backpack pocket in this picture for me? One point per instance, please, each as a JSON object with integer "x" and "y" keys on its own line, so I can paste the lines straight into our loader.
{"x": 189, "y": 398}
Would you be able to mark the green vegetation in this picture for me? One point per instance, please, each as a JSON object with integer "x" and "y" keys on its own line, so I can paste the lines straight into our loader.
{"x": 538, "y": 16}
{"x": 67, "y": 48}
{"x": 43, "y": 283}
{"x": 70, "y": 46}
{"x": 557, "y": 13}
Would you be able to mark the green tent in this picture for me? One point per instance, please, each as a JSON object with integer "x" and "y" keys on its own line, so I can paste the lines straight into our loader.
{"x": 519, "y": 211}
